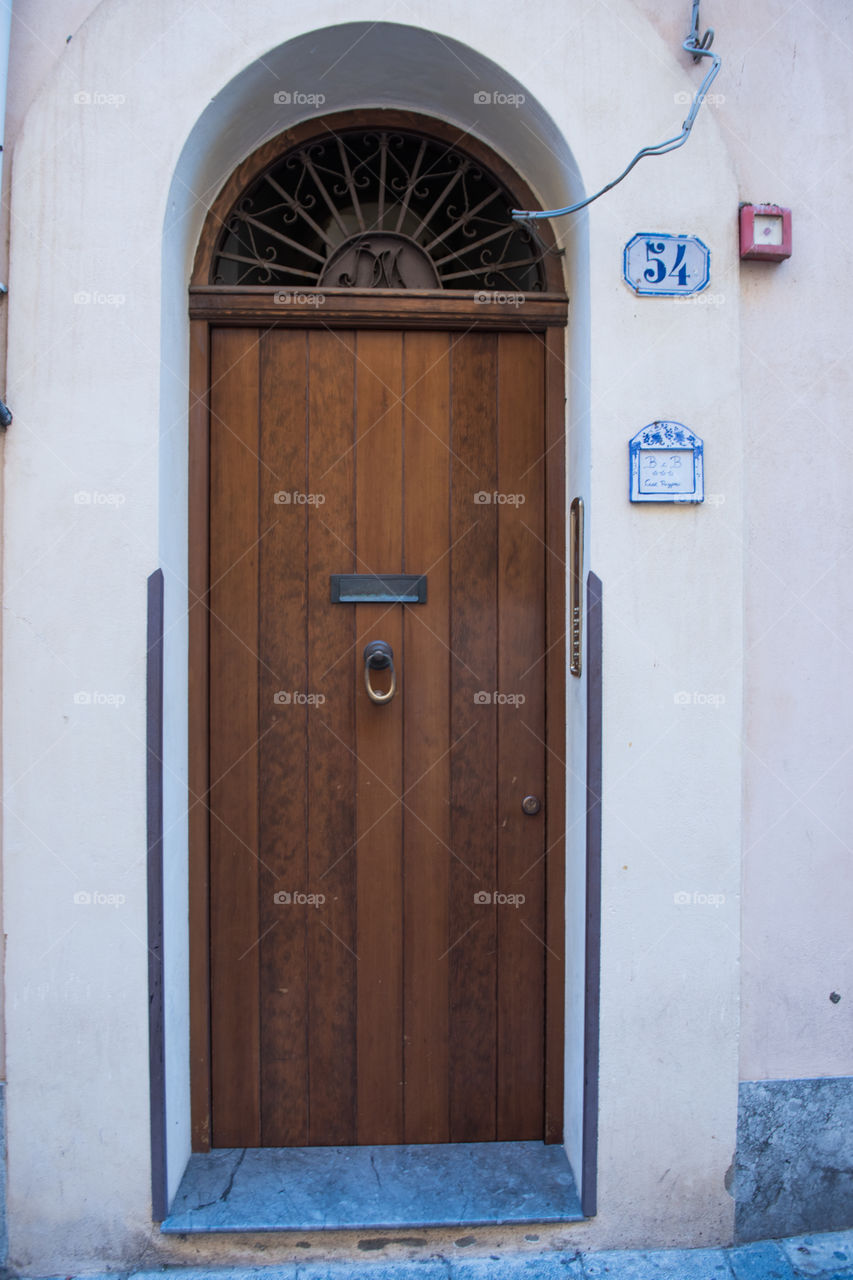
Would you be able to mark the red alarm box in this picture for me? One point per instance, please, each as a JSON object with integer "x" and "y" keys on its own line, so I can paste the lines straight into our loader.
{"x": 765, "y": 232}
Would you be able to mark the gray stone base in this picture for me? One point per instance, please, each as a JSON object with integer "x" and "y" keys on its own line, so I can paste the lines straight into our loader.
{"x": 794, "y": 1163}
{"x": 4, "y": 1231}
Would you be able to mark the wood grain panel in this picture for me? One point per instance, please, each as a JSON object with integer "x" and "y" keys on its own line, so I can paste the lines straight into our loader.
{"x": 426, "y": 818}
{"x": 379, "y": 731}
{"x": 555, "y": 726}
{"x": 521, "y": 752}
{"x": 198, "y": 762}
{"x": 401, "y": 1009}
{"x": 473, "y": 734}
{"x": 233, "y": 739}
{"x": 283, "y": 725}
{"x": 372, "y": 308}
{"x": 333, "y": 672}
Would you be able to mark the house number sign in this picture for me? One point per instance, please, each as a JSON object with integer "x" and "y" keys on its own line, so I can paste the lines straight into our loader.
{"x": 666, "y": 464}
{"x": 666, "y": 266}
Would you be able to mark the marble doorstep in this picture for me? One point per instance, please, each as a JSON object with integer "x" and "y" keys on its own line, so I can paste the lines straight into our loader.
{"x": 334, "y": 1188}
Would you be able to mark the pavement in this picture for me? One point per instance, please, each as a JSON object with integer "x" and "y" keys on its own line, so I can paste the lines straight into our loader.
{"x": 826, "y": 1256}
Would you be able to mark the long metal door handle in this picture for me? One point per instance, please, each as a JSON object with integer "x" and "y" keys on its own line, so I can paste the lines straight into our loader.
{"x": 378, "y": 656}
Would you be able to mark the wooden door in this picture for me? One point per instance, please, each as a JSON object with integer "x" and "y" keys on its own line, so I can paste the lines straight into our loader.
{"x": 377, "y": 893}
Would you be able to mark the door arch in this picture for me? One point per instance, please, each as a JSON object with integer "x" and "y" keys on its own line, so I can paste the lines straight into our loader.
{"x": 249, "y": 313}
{"x": 331, "y": 167}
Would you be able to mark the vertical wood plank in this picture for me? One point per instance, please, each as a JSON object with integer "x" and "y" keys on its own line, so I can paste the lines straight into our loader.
{"x": 198, "y": 564}
{"x": 282, "y": 724}
{"x": 426, "y": 819}
{"x": 233, "y": 739}
{"x": 555, "y": 816}
{"x": 333, "y": 672}
{"x": 379, "y": 747}
{"x": 521, "y": 738}
{"x": 292, "y": 1061}
{"x": 474, "y": 737}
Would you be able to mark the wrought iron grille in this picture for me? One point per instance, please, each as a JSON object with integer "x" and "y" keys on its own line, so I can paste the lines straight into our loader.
{"x": 377, "y": 209}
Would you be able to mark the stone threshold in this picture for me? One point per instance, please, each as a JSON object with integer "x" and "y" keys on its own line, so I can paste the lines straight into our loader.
{"x": 337, "y": 1188}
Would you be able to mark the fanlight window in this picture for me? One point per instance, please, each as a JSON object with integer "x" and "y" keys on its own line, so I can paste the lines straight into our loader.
{"x": 377, "y": 209}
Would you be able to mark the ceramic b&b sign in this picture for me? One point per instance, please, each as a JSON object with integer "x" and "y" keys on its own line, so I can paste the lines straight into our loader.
{"x": 666, "y": 464}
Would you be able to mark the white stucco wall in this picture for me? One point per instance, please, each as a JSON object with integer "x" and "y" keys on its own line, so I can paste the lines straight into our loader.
{"x": 99, "y": 395}
{"x": 798, "y": 464}
{"x": 786, "y": 112}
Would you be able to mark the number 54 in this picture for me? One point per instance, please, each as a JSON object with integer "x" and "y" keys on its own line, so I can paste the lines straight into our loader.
{"x": 657, "y": 272}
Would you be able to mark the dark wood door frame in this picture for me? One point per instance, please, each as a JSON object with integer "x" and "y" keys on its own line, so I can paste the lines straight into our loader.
{"x": 374, "y": 311}
{"x": 543, "y": 314}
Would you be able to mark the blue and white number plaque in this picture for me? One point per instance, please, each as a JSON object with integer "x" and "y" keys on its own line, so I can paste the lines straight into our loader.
{"x": 666, "y": 266}
{"x": 666, "y": 464}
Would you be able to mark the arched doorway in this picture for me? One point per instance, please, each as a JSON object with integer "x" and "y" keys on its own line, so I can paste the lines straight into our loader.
{"x": 376, "y": 888}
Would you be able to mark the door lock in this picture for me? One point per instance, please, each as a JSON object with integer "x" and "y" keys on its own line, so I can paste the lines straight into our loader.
{"x": 379, "y": 656}
{"x": 531, "y": 804}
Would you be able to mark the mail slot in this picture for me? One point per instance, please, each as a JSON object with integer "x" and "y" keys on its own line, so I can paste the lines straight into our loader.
{"x": 378, "y": 588}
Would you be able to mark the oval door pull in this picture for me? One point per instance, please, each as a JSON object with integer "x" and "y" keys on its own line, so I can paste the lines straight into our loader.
{"x": 378, "y": 656}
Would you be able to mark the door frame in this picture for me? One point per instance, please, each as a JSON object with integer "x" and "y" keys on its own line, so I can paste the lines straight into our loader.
{"x": 544, "y": 314}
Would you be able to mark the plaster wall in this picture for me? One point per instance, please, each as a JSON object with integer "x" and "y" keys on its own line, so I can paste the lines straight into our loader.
{"x": 784, "y": 107}
{"x": 107, "y": 201}
{"x": 798, "y": 463}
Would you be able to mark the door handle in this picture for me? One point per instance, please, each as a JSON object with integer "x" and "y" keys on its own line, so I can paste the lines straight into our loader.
{"x": 378, "y": 656}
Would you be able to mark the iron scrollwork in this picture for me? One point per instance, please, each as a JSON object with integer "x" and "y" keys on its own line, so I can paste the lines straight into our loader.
{"x": 377, "y": 209}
